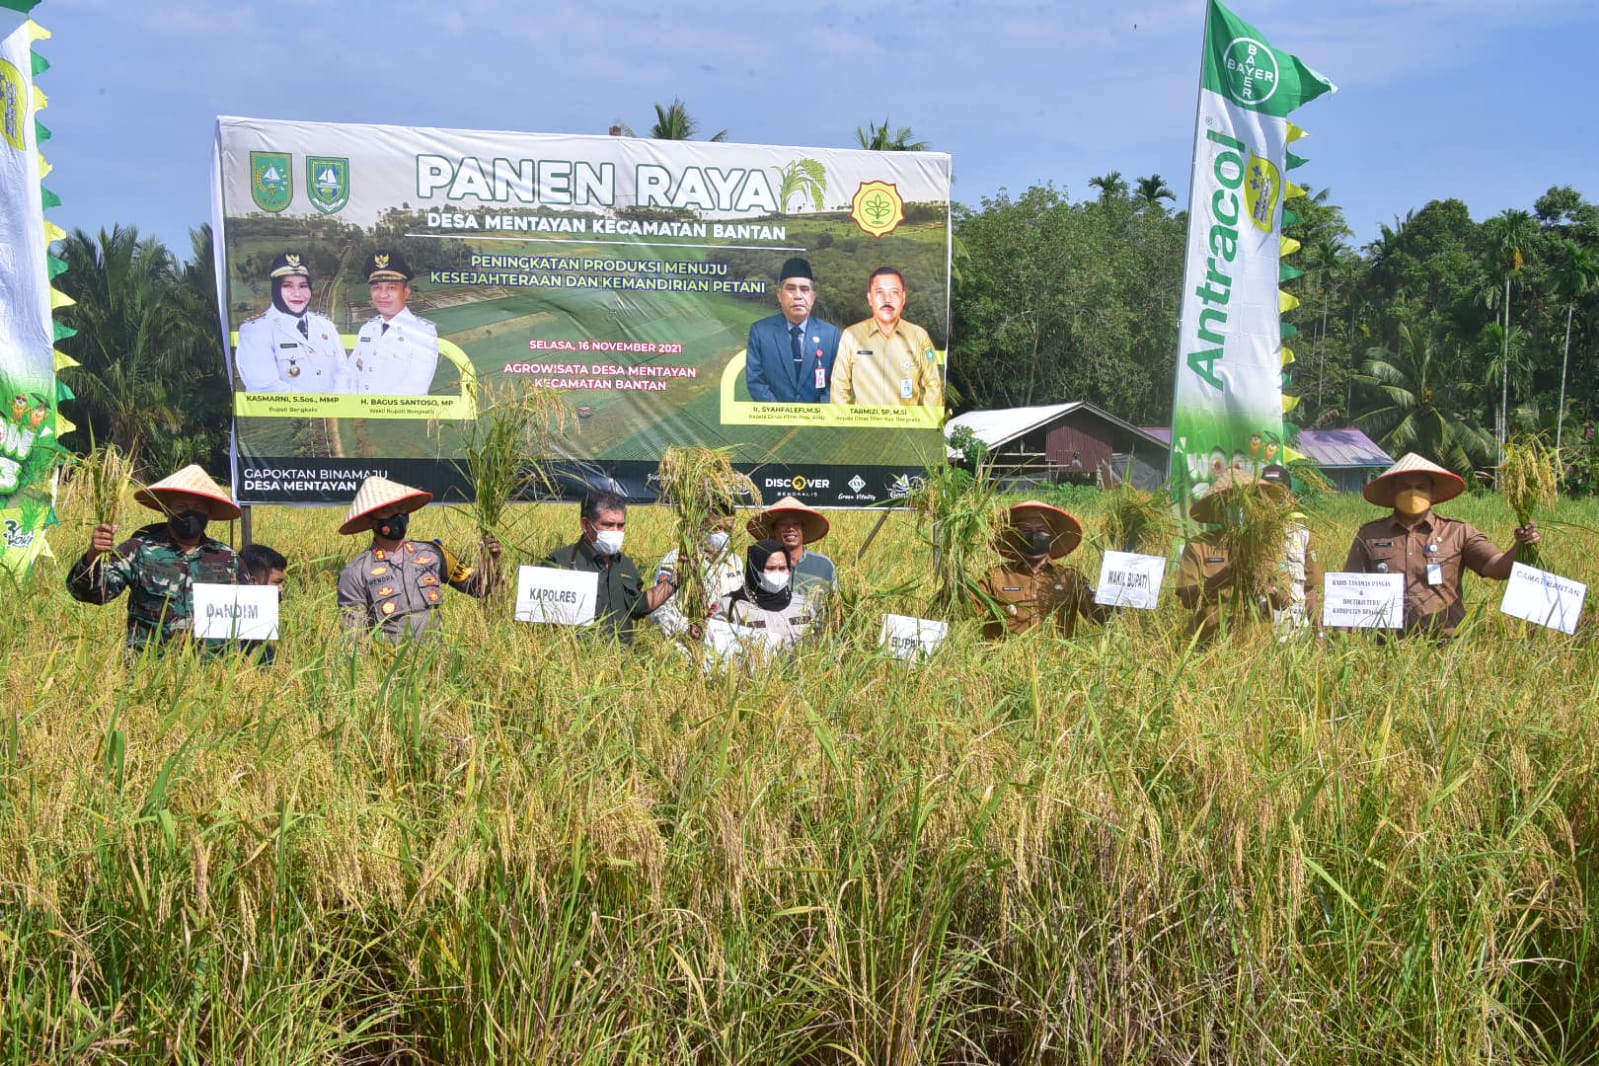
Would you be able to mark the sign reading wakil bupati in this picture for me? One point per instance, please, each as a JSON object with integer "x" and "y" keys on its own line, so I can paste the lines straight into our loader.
{"x": 376, "y": 282}
{"x": 1130, "y": 580}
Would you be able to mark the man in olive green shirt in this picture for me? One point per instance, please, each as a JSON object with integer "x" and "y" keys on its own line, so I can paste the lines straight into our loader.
{"x": 886, "y": 361}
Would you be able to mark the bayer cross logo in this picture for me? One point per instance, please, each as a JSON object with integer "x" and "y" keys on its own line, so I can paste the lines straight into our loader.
{"x": 1249, "y": 71}
{"x": 857, "y": 483}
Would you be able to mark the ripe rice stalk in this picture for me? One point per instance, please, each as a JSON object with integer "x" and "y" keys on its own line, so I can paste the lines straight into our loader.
{"x": 697, "y": 483}
{"x": 509, "y": 448}
{"x": 1254, "y": 535}
{"x": 960, "y": 510}
{"x": 106, "y": 473}
{"x": 1138, "y": 521}
{"x": 1529, "y": 480}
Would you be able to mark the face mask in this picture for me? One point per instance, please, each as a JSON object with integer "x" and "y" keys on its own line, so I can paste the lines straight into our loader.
{"x": 608, "y": 541}
{"x": 771, "y": 582}
{"x": 188, "y": 525}
{"x": 1412, "y": 503}
{"x": 393, "y": 528}
{"x": 717, "y": 539}
{"x": 1035, "y": 542}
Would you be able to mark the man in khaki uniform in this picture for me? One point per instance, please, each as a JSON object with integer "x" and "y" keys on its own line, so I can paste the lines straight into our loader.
{"x": 1029, "y": 589}
{"x": 886, "y": 361}
{"x": 1430, "y": 550}
{"x": 394, "y": 587}
{"x": 1206, "y": 582}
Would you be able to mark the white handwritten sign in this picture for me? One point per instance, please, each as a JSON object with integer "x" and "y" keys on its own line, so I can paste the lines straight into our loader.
{"x": 235, "y": 612}
{"x": 1128, "y": 580}
{"x": 1363, "y": 601}
{"x": 1544, "y": 598}
{"x": 911, "y": 638}
{"x": 558, "y": 597}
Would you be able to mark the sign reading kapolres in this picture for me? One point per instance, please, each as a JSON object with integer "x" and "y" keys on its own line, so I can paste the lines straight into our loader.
{"x": 788, "y": 303}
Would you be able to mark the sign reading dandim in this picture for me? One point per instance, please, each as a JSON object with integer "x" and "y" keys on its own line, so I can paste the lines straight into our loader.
{"x": 375, "y": 282}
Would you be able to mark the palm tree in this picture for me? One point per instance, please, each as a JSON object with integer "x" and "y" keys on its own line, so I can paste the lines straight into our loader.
{"x": 1424, "y": 406}
{"x": 1508, "y": 234}
{"x": 147, "y": 344}
{"x": 674, "y": 123}
{"x": 1152, "y": 190}
{"x": 885, "y": 138}
{"x": 1111, "y": 186}
{"x": 1575, "y": 277}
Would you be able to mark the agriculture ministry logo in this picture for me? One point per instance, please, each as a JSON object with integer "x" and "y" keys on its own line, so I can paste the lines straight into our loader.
{"x": 327, "y": 178}
{"x": 13, "y": 95}
{"x": 877, "y": 208}
{"x": 271, "y": 180}
{"x": 1249, "y": 71}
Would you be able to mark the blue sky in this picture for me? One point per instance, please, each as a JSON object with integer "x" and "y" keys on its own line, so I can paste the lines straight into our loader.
{"x": 1491, "y": 102}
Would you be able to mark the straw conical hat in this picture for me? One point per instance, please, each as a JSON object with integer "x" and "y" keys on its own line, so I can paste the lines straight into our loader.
{"x": 1207, "y": 509}
{"x": 375, "y": 494}
{"x": 194, "y": 481}
{"x": 813, "y": 524}
{"x": 1446, "y": 484}
{"x": 1068, "y": 531}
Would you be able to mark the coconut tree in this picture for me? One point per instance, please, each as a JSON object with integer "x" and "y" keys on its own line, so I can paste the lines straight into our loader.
{"x": 885, "y": 138}
{"x": 1111, "y": 186}
{"x": 1575, "y": 277}
{"x": 1423, "y": 405}
{"x": 1150, "y": 191}
{"x": 674, "y": 123}
{"x": 1509, "y": 234}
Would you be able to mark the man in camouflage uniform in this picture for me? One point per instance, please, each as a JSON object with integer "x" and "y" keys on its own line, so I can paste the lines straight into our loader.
{"x": 159, "y": 565}
{"x": 394, "y": 588}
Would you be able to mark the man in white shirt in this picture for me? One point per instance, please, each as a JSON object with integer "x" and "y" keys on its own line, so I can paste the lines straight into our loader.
{"x": 396, "y": 352}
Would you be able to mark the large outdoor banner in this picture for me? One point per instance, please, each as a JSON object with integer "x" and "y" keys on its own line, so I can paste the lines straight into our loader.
{"x": 1228, "y": 404}
{"x": 28, "y": 423}
{"x": 378, "y": 283}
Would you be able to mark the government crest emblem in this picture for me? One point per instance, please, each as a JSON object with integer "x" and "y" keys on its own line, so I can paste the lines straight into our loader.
{"x": 328, "y": 179}
{"x": 271, "y": 180}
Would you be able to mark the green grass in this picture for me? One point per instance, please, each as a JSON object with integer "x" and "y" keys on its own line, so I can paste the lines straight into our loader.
{"x": 515, "y": 846}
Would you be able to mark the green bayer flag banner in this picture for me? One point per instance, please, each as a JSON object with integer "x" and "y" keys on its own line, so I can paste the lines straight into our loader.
{"x": 1228, "y": 404}
{"x": 378, "y": 283}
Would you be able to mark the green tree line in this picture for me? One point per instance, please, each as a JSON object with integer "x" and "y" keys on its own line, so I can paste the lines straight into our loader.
{"x": 1444, "y": 335}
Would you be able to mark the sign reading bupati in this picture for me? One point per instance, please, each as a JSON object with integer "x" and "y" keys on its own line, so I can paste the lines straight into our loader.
{"x": 916, "y": 639}
{"x": 787, "y": 303}
{"x": 1363, "y": 601}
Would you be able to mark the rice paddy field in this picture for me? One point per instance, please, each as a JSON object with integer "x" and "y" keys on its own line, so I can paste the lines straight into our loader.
{"x": 520, "y": 845}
